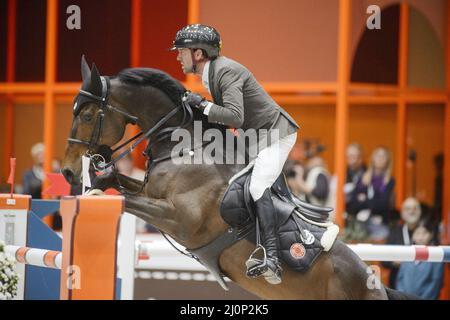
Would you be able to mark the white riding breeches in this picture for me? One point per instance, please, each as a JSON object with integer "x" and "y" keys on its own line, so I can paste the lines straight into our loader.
{"x": 269, "y": 164}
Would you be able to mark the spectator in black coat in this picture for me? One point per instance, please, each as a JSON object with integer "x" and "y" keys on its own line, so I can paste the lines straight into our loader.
{"x": 316, "y": 186}
{"x": 32, "y": 178}
{"x": 355, "y": 171}
{"x": 373, "y": 198}
{"x": 422, "y": 278}
{"x": 401, "y": 233}
{"x": 294, "y": 172}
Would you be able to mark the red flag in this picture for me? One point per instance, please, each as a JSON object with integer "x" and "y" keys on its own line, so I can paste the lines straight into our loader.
{"x": 58, "y": 186}
{"x": 12, "y": 165}
{"x": 112, "y": 192}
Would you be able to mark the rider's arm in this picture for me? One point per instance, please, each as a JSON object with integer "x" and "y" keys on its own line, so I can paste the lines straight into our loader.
{"x": 232, "y": 111}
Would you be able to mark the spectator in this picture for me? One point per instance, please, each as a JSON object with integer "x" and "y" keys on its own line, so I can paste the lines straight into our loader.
{"x": 401, "y": 233}
{"x": 355, "y": 169}
{"x": 294, "y": 171}
{"x": 373, "y": 198}
{"x": 32, "y": 178}
{"x": 316, "y": 186}
{"x": 421, "y": 278}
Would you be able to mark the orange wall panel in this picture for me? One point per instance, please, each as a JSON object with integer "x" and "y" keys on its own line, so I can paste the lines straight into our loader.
{"x": 373, "y": 126}
{"x": 63, "y": 127}
{"x": 2, "y": 142}
{"x": 426, "y": 137}
{"x": 30, "y": 45}
{"x": 434, "y": 11}
{"x": 3, "y": 32}
{"x": 316, "y": 122}
{"x": 104, "y": 38}
{"x": 160, "y": 22}
{"x": 28, "y": 130}
{"x": 291, "y": 40}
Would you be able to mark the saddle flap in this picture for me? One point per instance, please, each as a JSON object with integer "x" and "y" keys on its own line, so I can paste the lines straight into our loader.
{"x": 283, "y": 209}
{"x": 233, "y": 207}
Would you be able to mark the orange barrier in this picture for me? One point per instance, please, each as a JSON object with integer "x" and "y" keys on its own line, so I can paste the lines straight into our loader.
{"x": 21, "y": 201}
{"x": 90, "y": 232}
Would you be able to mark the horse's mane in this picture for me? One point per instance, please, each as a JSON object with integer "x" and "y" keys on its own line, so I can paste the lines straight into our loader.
{"x": 164, "y": 82}
{"x": 155, "y": 78}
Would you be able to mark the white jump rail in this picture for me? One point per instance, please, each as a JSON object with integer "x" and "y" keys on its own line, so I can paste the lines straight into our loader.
{"x": 35, "y": 257}
{"x": 157, "y": 254}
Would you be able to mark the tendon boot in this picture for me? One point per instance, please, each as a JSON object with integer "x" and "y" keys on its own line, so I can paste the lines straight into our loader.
{"x": 269, "y": 266}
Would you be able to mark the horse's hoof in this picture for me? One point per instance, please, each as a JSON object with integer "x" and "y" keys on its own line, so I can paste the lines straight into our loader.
{"x": 94, "y": 192}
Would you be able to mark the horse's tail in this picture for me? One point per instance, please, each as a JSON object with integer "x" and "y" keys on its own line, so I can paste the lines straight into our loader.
{"x": 397, "y": 295}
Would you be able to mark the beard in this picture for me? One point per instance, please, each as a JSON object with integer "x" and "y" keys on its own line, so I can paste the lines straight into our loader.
{"x": 187, "y": 69}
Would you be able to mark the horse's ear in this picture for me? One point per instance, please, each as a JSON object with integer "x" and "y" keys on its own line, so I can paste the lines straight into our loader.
{"x": 85, "y": 71}
{"x": 95, "y": 87}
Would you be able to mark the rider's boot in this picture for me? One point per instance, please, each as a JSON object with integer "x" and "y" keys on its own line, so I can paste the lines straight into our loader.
{"x": 269, "y": 267}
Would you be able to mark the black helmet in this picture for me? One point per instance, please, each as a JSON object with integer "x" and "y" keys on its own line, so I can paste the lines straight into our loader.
{"x": 199, "y": 36}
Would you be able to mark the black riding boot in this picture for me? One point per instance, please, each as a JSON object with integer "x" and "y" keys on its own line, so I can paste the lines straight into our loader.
{"x": 269, "y": 266}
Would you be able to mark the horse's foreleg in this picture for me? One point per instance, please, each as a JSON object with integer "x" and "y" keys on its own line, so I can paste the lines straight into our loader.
{"x": 130, "y": 184}
{"x": 119, "y": 182}
{"x": 158, "y": 212}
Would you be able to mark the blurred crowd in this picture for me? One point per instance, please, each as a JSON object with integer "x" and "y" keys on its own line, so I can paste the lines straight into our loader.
{"x": 370, "y": 213}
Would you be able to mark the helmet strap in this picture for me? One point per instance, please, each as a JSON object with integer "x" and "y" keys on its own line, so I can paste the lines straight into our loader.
{"x": 194, "y": 63}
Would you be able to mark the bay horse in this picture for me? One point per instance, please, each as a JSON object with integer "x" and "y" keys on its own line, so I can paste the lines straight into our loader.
{"x": 183, "y": 200}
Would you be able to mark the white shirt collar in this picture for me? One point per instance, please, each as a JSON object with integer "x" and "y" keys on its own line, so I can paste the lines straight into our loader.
{"x": 205, "y": 76}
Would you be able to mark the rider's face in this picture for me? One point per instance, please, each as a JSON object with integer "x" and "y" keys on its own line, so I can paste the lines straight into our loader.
{"x": 185, "y": 58}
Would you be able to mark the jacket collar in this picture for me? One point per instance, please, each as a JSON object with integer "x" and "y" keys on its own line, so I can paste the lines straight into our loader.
{"x": 212, "y": 84}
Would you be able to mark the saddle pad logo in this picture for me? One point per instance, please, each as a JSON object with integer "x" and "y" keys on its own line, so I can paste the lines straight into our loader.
{"x": 309, "y": 237}
{"x": 297, "y": 251}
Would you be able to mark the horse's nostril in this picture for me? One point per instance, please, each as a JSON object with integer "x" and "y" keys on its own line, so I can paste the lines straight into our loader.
{"x": 68, "y": 175}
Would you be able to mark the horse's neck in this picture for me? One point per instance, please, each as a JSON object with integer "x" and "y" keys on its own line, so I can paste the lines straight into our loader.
{"x": 165, "y": 147}
{"x": 149, "y": 106}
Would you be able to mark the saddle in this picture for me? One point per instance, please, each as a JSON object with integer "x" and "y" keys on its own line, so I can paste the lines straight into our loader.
{"x": 237, "y": 207}
{"x": 304, "y": 230}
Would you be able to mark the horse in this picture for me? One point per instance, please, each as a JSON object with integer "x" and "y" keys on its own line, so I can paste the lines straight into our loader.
{"x": 182, "y": 200}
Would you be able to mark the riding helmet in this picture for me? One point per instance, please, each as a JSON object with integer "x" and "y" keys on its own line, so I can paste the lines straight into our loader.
{"x": 198, "y": 36}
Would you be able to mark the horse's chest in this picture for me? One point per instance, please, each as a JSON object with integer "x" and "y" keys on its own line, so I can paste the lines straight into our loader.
{"x": 159, "y": 182}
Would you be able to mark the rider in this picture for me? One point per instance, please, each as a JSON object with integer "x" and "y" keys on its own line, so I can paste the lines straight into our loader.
{"x": 236, "y": 92}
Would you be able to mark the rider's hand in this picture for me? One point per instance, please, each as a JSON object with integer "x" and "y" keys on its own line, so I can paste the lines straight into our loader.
{"x": 196, "y": 101}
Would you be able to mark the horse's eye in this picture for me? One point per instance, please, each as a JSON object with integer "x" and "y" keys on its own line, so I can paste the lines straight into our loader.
{"x": 86, "y": 117}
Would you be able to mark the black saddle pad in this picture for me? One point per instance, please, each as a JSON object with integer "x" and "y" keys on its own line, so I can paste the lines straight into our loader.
{"x": 297, "y": 251}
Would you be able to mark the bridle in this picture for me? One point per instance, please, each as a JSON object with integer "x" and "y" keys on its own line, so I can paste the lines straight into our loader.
{"x": 101, "y": 154}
